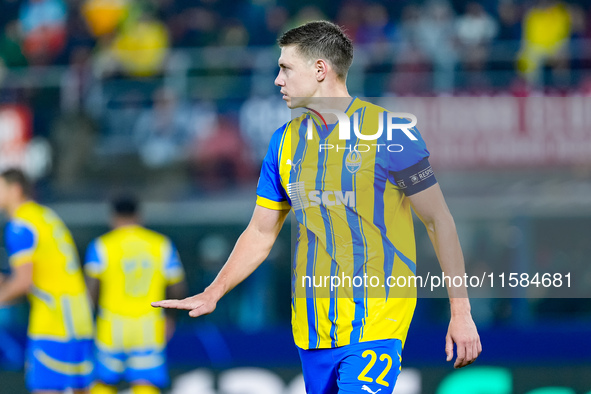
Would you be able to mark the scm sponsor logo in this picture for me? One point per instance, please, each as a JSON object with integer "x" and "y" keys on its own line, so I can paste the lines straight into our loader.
{"x": 329, "y": 198}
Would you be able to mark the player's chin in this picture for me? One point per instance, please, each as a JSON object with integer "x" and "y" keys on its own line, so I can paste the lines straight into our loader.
{"x": 292, "y": 104}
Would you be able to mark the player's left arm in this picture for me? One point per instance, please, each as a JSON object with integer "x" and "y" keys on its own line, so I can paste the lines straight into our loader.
{"x": 17, "y": 284}
{"x": 94, "y": 265}
{"x": 93, "y": 285}
{"x": 176, "y": 283}
{"x": 21, "y": 242}
{"x": 430, "y": 207}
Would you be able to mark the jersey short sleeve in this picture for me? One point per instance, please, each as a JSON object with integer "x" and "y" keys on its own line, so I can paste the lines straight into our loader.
{"x": 94, "y": 262}
{"x": 173, "y": 268}
{"x": 21, "y": 241}
{"x": 408, "y": 161}
{"x": 270, "y": 192}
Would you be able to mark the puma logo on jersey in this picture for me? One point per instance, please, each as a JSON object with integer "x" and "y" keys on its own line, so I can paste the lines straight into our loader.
{"x": 292, "y": 164}
{"x": 365, "y": 388}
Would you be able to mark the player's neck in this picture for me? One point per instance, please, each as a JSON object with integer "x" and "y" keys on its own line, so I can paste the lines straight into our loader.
{"x": 13, "y": 206}
{"x": 334, "y": 96}
{"x": 124, "y": 222}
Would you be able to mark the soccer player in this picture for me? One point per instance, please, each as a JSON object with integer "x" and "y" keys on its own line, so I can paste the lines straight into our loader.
{"x": 44, "y": 265}
{"x": 353, "y": 213}
{"x": 126, "y": 268}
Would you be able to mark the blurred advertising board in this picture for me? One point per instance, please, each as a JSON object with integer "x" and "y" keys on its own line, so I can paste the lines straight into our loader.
{"x": 504, "y": 131}
{"x": 15, "y": 134}
{"x": 485, "y": 379}
{"x": 18, "y": 147}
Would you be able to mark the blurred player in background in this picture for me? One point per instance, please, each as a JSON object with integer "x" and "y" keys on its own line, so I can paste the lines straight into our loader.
{"x": 352, "y": 343}
{"x": 44, "y": 264}
{"x": 127, "y": 268}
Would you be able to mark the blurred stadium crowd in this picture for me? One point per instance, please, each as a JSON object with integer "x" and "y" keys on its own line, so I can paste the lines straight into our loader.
{"x": 433, "y": 34}
{"x": 161, "y": 84}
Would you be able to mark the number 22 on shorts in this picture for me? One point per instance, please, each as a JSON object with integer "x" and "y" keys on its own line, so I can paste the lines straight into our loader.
{"x": 373, "y": 357}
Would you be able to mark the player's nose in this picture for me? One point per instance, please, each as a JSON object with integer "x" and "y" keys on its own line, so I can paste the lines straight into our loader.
{"x": 279, "y": 81}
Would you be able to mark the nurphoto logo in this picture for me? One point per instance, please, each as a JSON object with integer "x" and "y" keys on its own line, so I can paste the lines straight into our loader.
{"x": 345, "y": 124}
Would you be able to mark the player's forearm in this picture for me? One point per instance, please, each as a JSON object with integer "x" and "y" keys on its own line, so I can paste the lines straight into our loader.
{"x": 459, "y": 306}
{"x": 251, "y": 249}
{"x": 11, "y": 290}
{"x": 443, "y": 234}
{"x": 18, "y": 284}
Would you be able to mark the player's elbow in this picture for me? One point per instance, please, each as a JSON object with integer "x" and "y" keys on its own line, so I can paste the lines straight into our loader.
{"x": 261, "y": 239}
{"x": 22, "y": 285}
{"x": 442, "y": 221}
{"x": 23, "y": 279}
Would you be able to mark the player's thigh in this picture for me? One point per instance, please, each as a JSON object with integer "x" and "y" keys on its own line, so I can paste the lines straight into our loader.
{"x": 370, "y": 367}
{"x": 319, "y": 370}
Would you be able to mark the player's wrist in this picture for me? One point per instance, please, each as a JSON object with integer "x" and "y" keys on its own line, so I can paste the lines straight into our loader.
{"x": 460, "y": 307}
{"x": 214, "y": 291}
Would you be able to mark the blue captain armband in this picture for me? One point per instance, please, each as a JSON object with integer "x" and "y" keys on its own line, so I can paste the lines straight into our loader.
{"x": 415, "y": 178}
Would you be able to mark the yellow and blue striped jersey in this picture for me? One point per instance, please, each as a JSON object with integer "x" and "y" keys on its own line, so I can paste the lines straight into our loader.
{"x": 60, "y": 307}
{"x": 353, "y": 220}
{"x": 134, "y": 266}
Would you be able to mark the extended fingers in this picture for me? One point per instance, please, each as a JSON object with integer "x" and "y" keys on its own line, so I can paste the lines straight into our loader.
{"x": 476, "y": 349}
{"x": 196, "y": 305}
{"x": 468, "y": 352}
{"x": 461, "y": 358}
{"x": 172, "y": 304}
{"x": 475, "y": 352}
{"x": 449, "y": 348}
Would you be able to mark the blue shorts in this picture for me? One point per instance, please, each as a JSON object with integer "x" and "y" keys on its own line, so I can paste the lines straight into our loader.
{"x": 59, "y": 366}
{"x": 360, "y": 368}
{"x": 146, "y": 366}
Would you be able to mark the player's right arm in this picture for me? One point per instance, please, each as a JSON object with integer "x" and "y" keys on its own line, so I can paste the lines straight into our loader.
{"x": 255, "y": 243}
{"x": 251, "y": 249}
{"x": 18, "y": 284}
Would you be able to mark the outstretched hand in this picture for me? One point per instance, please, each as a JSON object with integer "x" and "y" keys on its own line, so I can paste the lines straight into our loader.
{"x": 462, "y": 331}
{"x": 197, "y": 305}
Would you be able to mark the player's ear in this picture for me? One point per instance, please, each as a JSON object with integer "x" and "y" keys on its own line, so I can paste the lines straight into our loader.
{"x": 321, "y": 69}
